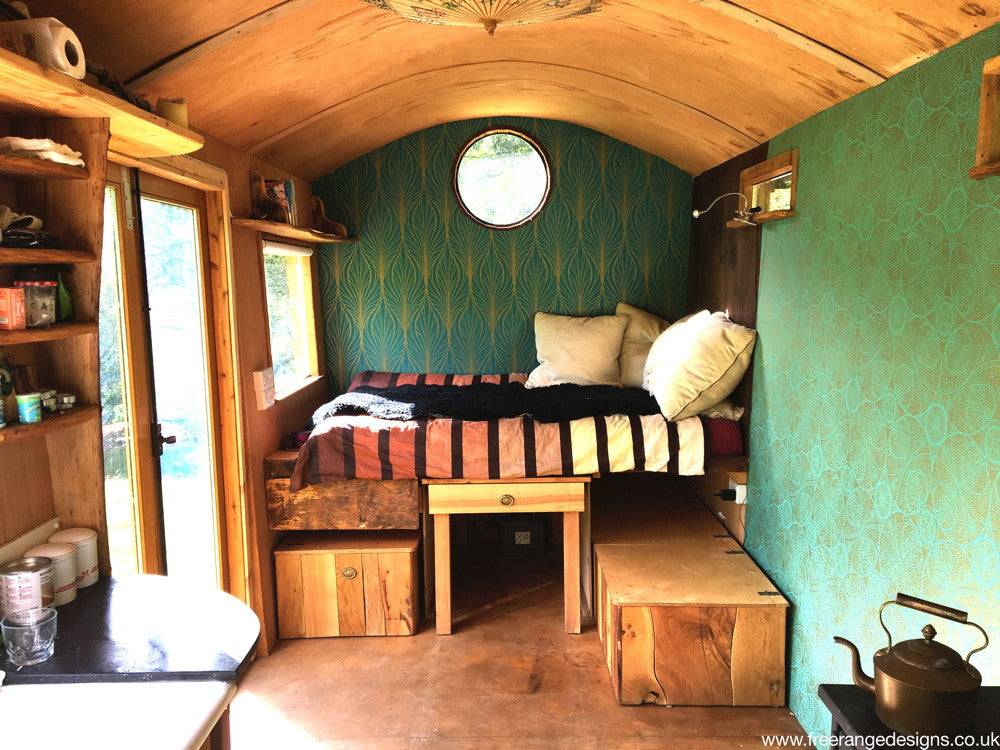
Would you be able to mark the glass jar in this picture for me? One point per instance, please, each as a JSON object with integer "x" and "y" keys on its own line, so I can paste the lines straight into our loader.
{"x": 39, "y": 302}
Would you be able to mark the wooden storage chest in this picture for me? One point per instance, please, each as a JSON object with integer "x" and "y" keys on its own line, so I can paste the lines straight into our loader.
{"x": 332, "y": 584}
{"x": 690, "y": 623}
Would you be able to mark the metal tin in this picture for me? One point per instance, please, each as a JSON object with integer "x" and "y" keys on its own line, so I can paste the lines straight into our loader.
{"x": 25, "y": 585}
{"x": 63, "y": 557}
{"x": 85, "y": 541}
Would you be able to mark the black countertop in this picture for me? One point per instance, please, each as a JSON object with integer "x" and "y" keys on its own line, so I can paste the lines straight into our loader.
{"x": 853, "y": 714}
{"x": 144, "y": 628}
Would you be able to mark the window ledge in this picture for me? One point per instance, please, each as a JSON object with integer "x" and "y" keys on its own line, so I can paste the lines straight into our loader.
{"x": 292, "y": 390}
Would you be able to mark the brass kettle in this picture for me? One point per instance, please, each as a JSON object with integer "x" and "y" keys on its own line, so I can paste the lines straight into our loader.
{"x": 922, "y": 686}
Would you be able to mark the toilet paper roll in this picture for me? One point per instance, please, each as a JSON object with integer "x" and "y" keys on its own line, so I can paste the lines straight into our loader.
{"x": 51, "y": 43}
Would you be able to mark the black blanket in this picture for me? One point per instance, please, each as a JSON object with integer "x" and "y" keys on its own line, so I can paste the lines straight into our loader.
{"x": 486, "y": 401}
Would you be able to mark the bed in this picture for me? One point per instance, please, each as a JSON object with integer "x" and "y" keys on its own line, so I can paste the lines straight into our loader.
{"x": 361, "y": 446}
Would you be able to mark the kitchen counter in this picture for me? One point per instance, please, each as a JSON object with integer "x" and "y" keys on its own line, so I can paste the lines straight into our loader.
{"x": 113, "y": 716}
{"x": 146, "y": 628}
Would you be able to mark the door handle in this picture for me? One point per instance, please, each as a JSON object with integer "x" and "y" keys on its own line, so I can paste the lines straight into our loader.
{"x": 159, "y": 439}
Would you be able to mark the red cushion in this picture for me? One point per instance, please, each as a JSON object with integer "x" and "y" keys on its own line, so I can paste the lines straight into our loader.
{"x": 724, "y": 437}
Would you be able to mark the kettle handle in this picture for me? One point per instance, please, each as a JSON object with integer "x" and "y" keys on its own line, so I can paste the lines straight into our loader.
{"x": 938, "y": 610}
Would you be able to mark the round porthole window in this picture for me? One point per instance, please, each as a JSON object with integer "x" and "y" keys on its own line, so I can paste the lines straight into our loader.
{"x": 502, "y": 178}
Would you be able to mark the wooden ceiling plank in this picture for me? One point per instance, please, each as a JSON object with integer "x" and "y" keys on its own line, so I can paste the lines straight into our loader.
{"x": 253, "y": 25}
{"x": 264, "y": 144}
{"x": 843, "y": 62}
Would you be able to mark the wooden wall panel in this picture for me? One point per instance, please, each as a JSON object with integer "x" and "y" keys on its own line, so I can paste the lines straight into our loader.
{"x": 725, "y": 262}
{"x": 264, "y": 429}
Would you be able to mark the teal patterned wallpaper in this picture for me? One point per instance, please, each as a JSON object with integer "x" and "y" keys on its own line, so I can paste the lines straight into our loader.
{"x": 426, "y": 289}
{"x": 875, "y": 432}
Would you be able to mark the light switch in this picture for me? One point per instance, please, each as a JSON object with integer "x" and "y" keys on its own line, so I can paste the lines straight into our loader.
{"x": 263, "y": 388}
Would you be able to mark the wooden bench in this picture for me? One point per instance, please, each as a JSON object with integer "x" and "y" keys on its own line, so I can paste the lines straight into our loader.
{"x": 347, "y": 505}
{"x": 683, "y": 613}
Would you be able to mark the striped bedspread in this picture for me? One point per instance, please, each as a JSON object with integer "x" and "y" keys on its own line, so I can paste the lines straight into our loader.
{"x": 362, "y": 447}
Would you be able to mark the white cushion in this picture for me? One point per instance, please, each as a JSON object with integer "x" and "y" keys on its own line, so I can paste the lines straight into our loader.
{"x": 642, "y": 330}
{"x": 725, "y": 409}
{"x": 696, "y": 363}
{"x": 577, "y": 350}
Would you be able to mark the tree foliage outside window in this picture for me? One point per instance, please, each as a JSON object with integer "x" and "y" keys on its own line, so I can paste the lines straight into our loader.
{"x": 288, "y": 286}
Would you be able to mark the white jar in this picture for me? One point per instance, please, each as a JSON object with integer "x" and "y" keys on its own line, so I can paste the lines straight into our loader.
{"x": 63, "y": 557}
{"x": 85, "y": 541}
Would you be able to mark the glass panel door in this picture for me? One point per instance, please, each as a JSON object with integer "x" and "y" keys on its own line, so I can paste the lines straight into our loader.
{"x": 120, "y": 495}
{"x": 181, "y": 355}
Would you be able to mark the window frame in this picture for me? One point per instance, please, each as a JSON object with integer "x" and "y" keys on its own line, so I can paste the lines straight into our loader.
{"x": 305, "y": 284}
{"x": 545, "y": 162}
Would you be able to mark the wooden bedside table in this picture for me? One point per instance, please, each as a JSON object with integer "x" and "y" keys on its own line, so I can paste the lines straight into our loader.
{"x": 567, "y": 495}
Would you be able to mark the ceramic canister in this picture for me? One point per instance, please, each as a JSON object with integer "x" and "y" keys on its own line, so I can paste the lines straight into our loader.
{"x": 85, "y": 541}
{"x": 63, "y": 557}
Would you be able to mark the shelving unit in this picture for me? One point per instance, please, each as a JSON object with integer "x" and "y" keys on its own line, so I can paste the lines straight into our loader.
{"x": 26, "y": 88}
{"x": 50, "y": 423}
{"x": 14, "y": 167}
{"x": 55, "y": 468}
{"x": 52, "y": 333}
{"x": 37, "y": 256}
{"x": 289, "y": 232}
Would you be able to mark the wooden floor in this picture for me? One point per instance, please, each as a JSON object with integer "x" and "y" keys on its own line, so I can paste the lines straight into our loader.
{"x": 507, "y": 677}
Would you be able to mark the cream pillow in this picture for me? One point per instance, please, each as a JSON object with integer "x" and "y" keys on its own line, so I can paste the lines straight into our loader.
{"x": 577, "y": 350}
{"x": 725, "y": 409}
{"x": 642, "y": 330}
{"x": 696, "y": 363}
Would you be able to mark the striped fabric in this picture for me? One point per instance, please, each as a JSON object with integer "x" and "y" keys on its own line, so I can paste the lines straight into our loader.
{"x": 360, "y": 447}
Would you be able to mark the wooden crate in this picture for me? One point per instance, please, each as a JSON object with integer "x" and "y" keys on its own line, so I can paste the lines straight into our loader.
{"x": 347, "y": 584}
{"x": 690, "y": 623}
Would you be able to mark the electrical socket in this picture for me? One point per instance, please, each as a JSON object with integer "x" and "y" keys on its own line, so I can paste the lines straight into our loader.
{"x": 741, "y": 491}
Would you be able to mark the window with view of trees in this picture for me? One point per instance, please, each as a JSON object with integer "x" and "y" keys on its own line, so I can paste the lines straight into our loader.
{"x": 290, "y": 316}
{"x": 502, "y": 179}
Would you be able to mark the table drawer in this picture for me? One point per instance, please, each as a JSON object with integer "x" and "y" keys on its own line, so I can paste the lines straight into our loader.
{"x": 512, "y": 497}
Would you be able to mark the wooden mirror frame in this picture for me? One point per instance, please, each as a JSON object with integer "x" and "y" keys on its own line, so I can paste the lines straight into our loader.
{"x": 538, "y": 149}
{"x": 773, "y": 167}
{"x": 988, "y": 143}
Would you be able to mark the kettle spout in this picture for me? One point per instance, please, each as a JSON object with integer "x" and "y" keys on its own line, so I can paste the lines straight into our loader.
{"x": 860, "y": 678}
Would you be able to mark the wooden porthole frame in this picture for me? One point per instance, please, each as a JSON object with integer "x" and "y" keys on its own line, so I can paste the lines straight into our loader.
{"x": 545, "y": 162}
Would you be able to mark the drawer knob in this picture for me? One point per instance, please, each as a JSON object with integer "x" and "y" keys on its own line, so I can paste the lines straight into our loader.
{"x": 349, "y": 573}
{"x": 506, "y": 499}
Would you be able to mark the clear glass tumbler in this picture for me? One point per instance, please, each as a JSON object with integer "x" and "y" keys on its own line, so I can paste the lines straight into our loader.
{"x": 29, "y": 636}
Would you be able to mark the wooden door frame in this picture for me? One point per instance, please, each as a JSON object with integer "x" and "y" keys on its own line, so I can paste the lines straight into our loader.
{"x": 233, "y": 511}
{"x": 138, "y": 378}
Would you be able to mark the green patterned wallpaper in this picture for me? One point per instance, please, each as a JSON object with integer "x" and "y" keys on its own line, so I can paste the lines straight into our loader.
{"x": 426, "y": 289}
{"x": 875, "y": 432}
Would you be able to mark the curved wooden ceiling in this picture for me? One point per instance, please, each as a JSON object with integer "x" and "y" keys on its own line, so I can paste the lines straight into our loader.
{"x": 311, "y": 84}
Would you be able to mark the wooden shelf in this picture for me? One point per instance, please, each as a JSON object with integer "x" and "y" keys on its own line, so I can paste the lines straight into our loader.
{"x": 288, "y": 232}
{"x": 31, "y": 256}
{"x": 28, "y": 88}
{"x": 13, "y": 167}
{"x": 52, "y": 333}
{"x": 50, "y": 423}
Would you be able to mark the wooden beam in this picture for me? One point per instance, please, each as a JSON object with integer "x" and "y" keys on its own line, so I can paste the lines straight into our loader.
{"x": 251, "y": 25}
{"x": 842, "y": 62}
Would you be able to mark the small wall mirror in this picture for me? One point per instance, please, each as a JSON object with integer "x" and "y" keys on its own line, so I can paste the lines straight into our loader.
{"x": 770, "y": 186}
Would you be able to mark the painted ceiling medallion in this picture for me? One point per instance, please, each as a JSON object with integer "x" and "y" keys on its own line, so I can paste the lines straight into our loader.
{"x": 486, "y": 13}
